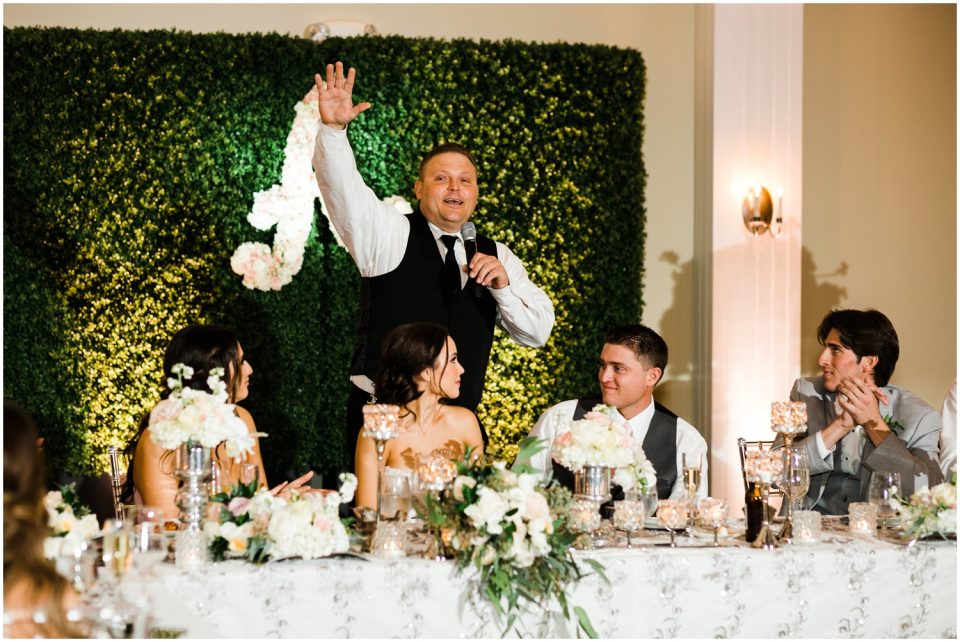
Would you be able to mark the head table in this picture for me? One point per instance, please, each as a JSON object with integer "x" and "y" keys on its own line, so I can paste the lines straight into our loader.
{"x": 843, "y": 587}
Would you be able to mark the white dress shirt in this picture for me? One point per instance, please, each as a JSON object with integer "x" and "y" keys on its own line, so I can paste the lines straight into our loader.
{"x": 375, "y": 235}
{"x": 689, "y": 440}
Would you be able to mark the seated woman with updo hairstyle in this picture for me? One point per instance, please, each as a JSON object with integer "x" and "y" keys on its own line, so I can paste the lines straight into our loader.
{"x": 150, "y": 476}
{"x": 37, "y": 601}
{"x": 419, "y": 372}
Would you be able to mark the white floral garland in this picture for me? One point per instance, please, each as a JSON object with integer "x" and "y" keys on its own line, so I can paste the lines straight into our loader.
{"x": 289, "y": 207}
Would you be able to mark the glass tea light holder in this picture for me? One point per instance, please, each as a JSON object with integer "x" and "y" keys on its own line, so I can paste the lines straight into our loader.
{"x": 863, "y": 518}
{"x": 807, "y": 525}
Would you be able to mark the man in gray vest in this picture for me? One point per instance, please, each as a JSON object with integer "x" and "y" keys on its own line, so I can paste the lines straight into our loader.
{"x": 416, "y": 267}
{"x": 631, "y": 365}
{"x": 858, "y": 424}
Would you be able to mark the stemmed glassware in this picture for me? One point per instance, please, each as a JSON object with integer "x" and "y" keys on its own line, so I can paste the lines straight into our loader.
{"x": 628, "y": 515}
{"x": 764, "y": 467}
{"x": 435, "y": 471}
{"x": 692, "y": 464}
{"x": 673, "y": 515}
{"x": 395, "y": 504}
{"x": 712, "y": 512}
{"x": 381, "y": 423}
{"x": 794, "y": 482}
{"x": 883, "y": 487}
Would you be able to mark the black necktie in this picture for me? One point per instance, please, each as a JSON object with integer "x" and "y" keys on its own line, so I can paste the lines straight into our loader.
{"x": 450, "y": 278}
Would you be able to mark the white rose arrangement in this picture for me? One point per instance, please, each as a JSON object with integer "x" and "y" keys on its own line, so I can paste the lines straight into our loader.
{"x": 512, "y": 531}
{"x": 190, "y": 415}
{"x": 595, "y": 440}
{"x": 929, "y": 511}
{"x": 256, "y": 526}
{"x": 290, "y": 207}
{"x": 639, "y": 475}
{"x": 71, "y": 524}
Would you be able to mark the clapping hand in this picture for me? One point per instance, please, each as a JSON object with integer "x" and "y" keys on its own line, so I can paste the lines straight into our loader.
{"x": 861, "y": 400}
{"x": 336, "y": 97}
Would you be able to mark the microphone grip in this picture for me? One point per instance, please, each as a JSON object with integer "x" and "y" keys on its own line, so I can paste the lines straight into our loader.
{"x": 470, "y": 245}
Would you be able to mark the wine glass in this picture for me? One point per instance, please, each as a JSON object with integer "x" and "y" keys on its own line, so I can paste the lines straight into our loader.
{"x": 149, "y": 550}
{"x": 883, "y": 487}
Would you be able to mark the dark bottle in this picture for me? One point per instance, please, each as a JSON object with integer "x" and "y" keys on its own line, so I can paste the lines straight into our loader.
{"x": 754, "y": 503}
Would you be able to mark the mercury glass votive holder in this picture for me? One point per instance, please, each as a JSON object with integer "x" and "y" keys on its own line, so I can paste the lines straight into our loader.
{"x": 863, "y": 518}
{"x": 807, "y": 525}
{"x": 585, "y": 515}
{"x": 628, "y": 516}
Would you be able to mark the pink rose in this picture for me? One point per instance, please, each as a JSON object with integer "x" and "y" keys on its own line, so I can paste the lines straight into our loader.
{"x": 238, "y": 506}
{"x": 322, "y": 523}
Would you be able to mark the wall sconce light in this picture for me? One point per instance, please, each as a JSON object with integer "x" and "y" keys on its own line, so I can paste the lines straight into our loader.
{"x": 320, "y": 31}
{"x": 760, "y": 214}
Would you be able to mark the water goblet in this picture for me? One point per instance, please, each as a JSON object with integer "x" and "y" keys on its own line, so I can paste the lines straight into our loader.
{"x": 149, "y": 549}
{"x": 249, "y": 472}
{"x": 884, "y": 486}
{"x": 395, "y": 503}
{"x": 117, "y": 550}
{"x": 672, "y": 514}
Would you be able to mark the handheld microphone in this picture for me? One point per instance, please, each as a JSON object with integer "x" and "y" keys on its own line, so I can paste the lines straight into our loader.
{"x": 469, "y": 233}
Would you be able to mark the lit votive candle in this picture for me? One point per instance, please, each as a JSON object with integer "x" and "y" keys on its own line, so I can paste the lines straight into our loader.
{"x": 863, "y": 518}
{"x": 390, "y": 540}
{"x": 806, "y": 526}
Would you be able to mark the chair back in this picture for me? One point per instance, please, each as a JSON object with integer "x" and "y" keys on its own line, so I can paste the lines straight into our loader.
{"x": 745, "y": 445}
{"x": 116, "y": 481}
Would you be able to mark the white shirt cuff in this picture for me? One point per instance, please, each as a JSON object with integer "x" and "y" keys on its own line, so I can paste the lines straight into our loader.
{"x": 821, "y": 447}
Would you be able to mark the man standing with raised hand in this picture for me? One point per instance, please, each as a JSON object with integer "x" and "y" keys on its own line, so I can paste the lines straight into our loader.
{"x": 416, "y": 267}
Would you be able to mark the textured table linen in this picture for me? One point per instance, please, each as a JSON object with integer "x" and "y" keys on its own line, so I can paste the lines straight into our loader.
{"x": 848, "y": 588}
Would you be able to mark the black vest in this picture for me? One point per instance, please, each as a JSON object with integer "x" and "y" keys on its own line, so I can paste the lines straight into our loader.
{"x": 659, "y": 445}
{"x": 413, "y": 292}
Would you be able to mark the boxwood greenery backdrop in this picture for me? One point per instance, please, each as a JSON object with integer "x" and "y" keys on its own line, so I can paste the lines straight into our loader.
{"x": 130, "y": 164}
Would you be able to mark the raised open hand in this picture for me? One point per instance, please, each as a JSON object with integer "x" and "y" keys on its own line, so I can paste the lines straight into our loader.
{"x": 336, "y": 97}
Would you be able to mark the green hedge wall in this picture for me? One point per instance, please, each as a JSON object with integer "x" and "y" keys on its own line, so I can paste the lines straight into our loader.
{"x": 130, "y": 164}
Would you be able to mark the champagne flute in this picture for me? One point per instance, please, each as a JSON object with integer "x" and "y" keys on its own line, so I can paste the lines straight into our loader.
{"x": 117, "y": 550}
{"x": 691, "y": 473}
{"x": 883, "y": 487}
{"x": 794, "y": 482}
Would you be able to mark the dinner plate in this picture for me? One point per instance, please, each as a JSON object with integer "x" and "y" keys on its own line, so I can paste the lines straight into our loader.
{"x": 706, "y": 534}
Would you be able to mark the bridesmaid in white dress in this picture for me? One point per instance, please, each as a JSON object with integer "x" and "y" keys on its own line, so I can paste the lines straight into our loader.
{"x": 419, "y": 372}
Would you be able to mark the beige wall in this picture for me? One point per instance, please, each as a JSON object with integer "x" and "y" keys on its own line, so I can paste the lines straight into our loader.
{"x": 664, "y": 33}
{"x": 879, "y": 174}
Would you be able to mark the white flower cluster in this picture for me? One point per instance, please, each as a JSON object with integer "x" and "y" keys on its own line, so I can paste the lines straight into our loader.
{"x": 595, "y": 440}
{"x": 519, "y": 502}
{"x": 929, "y": 511}
{"x": 638, "y": 474}
{"x": 289, "y": 206}
{"x": 68, "y": 531}
{"x": 764, "y": 466}
{"x": 303, "y": 525}
{"x": 197, "y": 415}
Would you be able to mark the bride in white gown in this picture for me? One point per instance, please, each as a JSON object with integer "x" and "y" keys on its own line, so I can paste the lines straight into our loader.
{"x": 419, "y": 371}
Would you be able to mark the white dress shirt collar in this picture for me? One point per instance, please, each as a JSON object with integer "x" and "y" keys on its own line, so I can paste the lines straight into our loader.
{"x": 639, "y": 424}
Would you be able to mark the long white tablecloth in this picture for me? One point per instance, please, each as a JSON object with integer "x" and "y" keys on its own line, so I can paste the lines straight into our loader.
{"x": 847, "y": 588}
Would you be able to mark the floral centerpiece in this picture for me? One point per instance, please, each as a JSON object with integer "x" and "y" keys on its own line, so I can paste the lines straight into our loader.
{"x": 595, "y": 440}
{"x": 513, "y": 532}
{"x": 638, "y": 476}
{"x": 929, "y": 511}
{"x": 189, "y": 416}
{"x": 71, "y": 523}
{"x": 257, "y": 526}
